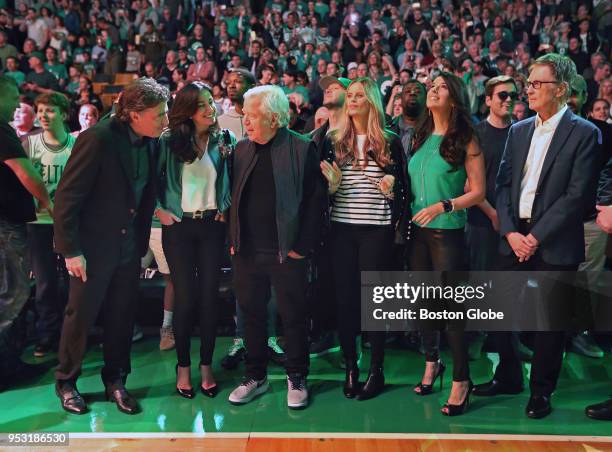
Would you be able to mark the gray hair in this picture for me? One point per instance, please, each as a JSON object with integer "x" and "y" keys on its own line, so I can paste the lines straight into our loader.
{"x": 563, "y": 69}
{"x": 273, "y": 100}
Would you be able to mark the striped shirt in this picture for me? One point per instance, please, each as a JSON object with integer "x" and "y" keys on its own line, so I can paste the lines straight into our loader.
{"x": 358, "y": 199}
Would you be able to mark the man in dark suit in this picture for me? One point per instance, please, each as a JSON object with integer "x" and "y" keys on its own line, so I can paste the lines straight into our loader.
{"x": 105, "y": 203}
{"x": 547, "y": 176}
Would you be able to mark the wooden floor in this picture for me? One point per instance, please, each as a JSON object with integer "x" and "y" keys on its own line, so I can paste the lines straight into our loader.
{"x": 266, "y": 444}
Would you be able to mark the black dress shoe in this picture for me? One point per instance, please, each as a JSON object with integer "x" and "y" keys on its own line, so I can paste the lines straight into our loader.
{"x": 374, "y": 384}
{"x": 71, "y": 399}
{"x": 601, "y": 411}
{"x": 351, "y": 383}
{"x": 495, "y": 387}
{"x": 124, "y": 400}
{"x": 538, "y": 407}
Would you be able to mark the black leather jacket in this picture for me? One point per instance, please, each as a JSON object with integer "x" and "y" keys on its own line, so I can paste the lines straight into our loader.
{"x": 400, "y": 204}
{"x": 300, "y": 191}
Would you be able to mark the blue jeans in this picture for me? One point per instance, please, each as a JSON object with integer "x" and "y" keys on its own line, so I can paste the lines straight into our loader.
{"x": 14, "y": 293}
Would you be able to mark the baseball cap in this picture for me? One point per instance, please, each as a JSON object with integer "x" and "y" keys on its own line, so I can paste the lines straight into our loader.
{"x": 37, "y": 54}
{"x": 329, "y": 79}
{"x": 352, "y": 65}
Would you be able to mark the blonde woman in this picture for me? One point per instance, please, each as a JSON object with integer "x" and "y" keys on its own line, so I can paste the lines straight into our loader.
{"x": 368, "y": 188}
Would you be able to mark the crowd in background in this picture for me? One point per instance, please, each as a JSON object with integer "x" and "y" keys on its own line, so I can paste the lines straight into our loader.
{"x": 66, "y": 45}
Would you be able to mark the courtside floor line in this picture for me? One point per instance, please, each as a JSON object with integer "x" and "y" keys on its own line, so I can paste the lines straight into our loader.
{"x": 307, "y": 435}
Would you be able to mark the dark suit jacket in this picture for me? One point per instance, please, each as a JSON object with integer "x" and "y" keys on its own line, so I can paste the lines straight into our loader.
{"x": 95, "y": 200}
{"x": 567, "y": 182}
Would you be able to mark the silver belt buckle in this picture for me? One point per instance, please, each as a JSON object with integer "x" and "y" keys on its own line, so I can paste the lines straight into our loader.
{"x": 198, "y": 214}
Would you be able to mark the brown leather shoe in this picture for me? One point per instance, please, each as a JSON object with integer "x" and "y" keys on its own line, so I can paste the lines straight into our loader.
{"x": 126, "y": 403}
{"x": 71, "y": 398}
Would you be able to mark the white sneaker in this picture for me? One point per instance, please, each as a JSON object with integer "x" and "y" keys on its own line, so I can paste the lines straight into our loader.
{"x": 248, "y": 390}
{"x": 166, "y": 338}
{"x": 297, "y": 394}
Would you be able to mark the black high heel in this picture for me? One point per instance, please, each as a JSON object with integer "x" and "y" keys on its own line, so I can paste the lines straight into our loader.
{"x": 210, "y": 392}
{"x": 186, "y": 393}
{"x": 456, "y": 410}
{"x": 374, "y": 385}
{"x": 428, "y": 389}
{"x": 351, "y": 383}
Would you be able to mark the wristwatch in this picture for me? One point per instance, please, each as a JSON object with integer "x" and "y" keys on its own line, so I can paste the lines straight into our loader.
{"x": 448, "y": 205}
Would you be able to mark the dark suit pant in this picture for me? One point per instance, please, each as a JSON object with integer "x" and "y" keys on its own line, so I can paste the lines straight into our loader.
{"x": 548, "y": 345}
{"x": 254, "y": 275}
{"x": 113, "y": 288}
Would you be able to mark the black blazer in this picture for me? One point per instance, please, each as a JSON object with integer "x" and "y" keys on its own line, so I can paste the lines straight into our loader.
{"x": 567, "y": 183}
{"x": 95, "y": 200}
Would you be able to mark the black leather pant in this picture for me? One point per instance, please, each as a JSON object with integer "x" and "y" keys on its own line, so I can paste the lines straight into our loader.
{"x": 441, "y": 250}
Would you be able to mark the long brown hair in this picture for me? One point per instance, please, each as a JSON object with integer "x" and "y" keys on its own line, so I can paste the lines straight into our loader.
{"x": 460, "y": 131}
{"x": 377, "y": 137}
{"x": 181, "y": 126}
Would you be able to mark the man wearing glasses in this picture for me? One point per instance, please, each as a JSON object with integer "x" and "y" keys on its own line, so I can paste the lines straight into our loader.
{"x": 483, "y": 224}
{"x": 482, "y": 230}
{"x": 547, "y": 177}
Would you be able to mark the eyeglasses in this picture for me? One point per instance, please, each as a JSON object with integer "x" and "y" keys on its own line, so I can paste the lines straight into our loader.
{"x": 537, "y": 84}
{"x": 503, "y": 95}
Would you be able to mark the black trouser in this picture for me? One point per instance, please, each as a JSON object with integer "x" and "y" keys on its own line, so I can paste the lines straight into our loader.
{"x": 194, "y": 251}
{"x": 14, "y": 293}
{"x": 254, "y": 275}
{"x": 441, "y": 250}
{"x": 548, "y": 346}
{"x": 483, "y": 246}
{"x": 322, "y": 296}
{"x": 113, "y": 286}
{"x": 48, "y": 268}
{"x": 357, "y": 248}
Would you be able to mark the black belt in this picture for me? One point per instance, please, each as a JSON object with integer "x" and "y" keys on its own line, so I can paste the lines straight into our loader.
{"x": 200, "y": 214}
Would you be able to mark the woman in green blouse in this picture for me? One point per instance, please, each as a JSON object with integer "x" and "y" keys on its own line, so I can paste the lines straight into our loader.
{"x": 447, "y": 176}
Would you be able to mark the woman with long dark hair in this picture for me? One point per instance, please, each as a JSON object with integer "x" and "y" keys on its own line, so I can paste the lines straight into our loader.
{"x": 194, "y": 191}
{"x": 368, "y": 189}
{"x": 446, "y": 156}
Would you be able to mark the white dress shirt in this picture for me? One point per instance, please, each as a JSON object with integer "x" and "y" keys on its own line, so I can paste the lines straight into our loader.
{"x": 540, "y": 142}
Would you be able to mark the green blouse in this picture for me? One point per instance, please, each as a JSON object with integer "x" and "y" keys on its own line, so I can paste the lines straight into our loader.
{"x": 431, "y": 182}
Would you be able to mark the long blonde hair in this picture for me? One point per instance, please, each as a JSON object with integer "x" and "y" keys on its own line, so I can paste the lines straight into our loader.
{"x": 377, "y": 137}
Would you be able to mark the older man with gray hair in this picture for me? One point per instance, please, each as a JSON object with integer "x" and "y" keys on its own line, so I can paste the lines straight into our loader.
{"x": 278, "y": 199}
{"x": 546, "y": 180}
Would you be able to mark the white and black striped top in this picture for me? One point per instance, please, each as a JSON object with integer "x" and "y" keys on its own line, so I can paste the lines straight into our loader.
{"x": 358, "y": 199}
